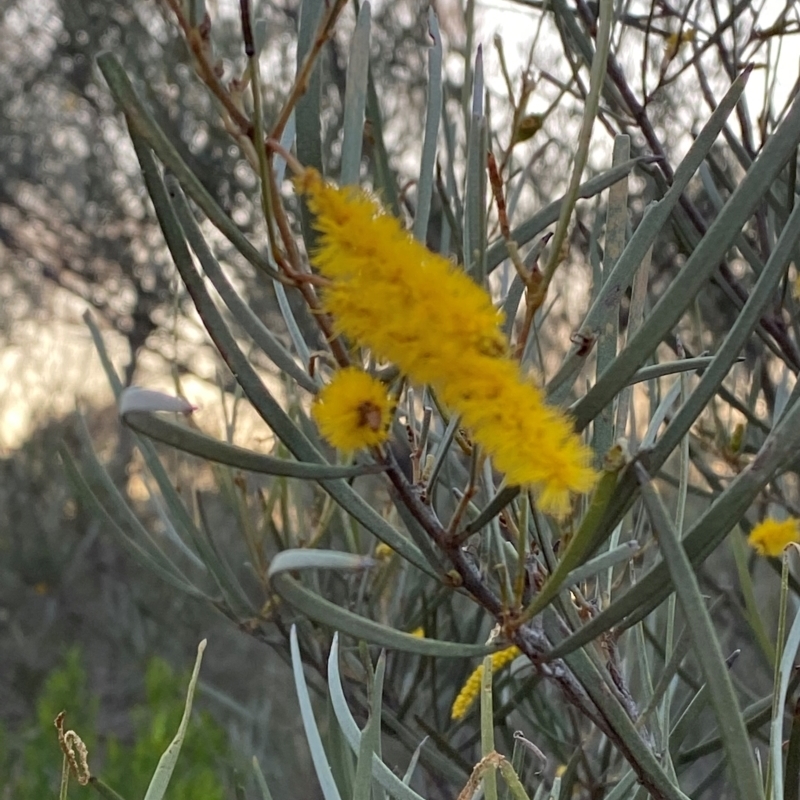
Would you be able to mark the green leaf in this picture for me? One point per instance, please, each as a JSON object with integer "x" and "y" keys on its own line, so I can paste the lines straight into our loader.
{"x": 355, "y": 98}
{"x": 334, "y": 616}
{"x": 387, "y": 779}
{"x": 746, "y": 781}
{"x": 652, "y": 224}
{"x": 582, "y": 543}
{"x": 98, "y": 490}
{"x": 487, "y": 729}
{"x": 603, "y": 428}
{"x": 792, "y": 786}
{"x": 433, "y": 115}
{"x": 199, "y": 444}
{"x": 384, "y": 177}
{"x": 287, "y": 313}
{"x": 785, "y": 669}
{"x": 242, "y": 312}
{"x": 475, "y": 188}
{"x": 712, "y": 527}
{"x": 308, "y": 116}
{"x": 654, "y": 371}
{"x": 370, "y": 737}
{"x": 258, "y": 394}
{"x": 752, "y": 614}
{"x": 591, "y": 105}
{"x": 699, "y": 266}
{"x": 166, "y": 764}
{"x": 607, "y": 560}
{"x": 318, "y": 756}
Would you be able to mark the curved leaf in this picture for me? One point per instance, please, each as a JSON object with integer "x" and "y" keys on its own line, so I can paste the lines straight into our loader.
{"x": 166, "y": 764}
{"x": 347, "y": 723}
{"x": 199, "y": 444}
{"x": 334, "y": 616}
{"x": 318, "y": 756}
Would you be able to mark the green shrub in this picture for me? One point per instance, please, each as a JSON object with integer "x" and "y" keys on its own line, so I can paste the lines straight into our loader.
{"x": 30, "y": 759}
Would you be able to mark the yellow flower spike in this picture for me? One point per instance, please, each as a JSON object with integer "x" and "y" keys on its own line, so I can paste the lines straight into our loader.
{"x": 472, "y": 687}
{"x": 531, "y": 442}
{"x": 412, "y": 307}
{"x": 353, "y": 411}
{"x": 770, "y": 537}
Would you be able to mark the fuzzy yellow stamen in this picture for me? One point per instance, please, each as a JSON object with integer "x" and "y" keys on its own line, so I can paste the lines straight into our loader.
{"x": 770, "y": 537}
{"x": 415, "y": 308}
{"x": 353, "y": 410}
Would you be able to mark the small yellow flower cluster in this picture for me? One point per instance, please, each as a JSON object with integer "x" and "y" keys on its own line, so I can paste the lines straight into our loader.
{"x": 383, "y": 552}
{"x": 770, "y": 537}
{"x": 353, "y": 410}
{"x": 415, "y": 308}
{"x": 472, "y": 687}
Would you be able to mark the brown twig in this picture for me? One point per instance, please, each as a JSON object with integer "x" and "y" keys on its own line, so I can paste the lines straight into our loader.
{"x": 301, "y": 81}
{"x": 197, "y": 37}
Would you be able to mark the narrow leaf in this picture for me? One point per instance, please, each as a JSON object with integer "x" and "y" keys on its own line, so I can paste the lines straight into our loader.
{"x": 355, "y": 98}
{"x": 199, "y": 444}
{"x": 387, "y": 779}
{"x": 318, "y": 756}
{"x": 433, "y": 115}
{"x": 166, "y": 764}
{"x": 334, "y": 616}
{"x": 746, "y": 781}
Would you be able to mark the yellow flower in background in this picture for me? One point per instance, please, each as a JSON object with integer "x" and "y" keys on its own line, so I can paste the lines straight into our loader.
{"x": 770, "y": 537}
{"x": 472, "y": 687}
{"x": 674, "y": 41}
{"x": 415, "y": 308}
{"x": 383, "y": 552}
{"x": 353, "y": 410}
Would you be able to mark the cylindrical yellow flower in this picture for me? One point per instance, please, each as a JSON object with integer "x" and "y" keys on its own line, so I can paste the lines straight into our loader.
{"x": 770, "y": 537}
{"x": 472, "y": 687}
{"x": 353, "y": 410}
{"x": 418, "y": 310}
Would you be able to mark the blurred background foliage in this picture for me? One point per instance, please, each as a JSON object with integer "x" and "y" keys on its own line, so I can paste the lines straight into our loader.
{"x": 29, "y": 762}
{"x": 76, "y": 231}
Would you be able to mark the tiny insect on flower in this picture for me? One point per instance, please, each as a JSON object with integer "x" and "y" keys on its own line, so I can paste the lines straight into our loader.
{"x": 353, "y": 411}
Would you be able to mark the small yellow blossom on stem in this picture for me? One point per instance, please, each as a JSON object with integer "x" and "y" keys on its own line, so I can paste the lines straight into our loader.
{"x": 770, "y": 537}
{"x": 415, "y": 308}
{"x": 472, "y": 687}
{"x": 353, "y": 411}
